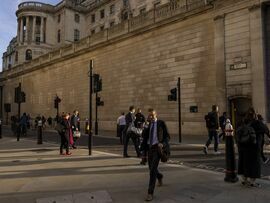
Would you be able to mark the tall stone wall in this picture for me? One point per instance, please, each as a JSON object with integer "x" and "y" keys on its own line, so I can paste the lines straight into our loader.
{"x": 139, "y": 69}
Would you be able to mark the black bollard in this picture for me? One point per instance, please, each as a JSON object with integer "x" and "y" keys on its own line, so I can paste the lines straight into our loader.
{"x": 231, "y": 173}
{"x": 39, "y": 141}
{"x": 0, "y": 129}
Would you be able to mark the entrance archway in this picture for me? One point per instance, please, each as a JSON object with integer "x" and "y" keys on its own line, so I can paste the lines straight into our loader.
{"x": 238, "y": 109}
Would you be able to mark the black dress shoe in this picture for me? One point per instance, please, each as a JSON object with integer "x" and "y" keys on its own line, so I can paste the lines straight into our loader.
{"x": 126, "y": 156}
{"x": 160, "y": 182}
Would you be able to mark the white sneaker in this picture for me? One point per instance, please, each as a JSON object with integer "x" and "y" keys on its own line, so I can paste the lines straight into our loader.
{"x": 266, "y": 161}
{"x": 205, "y": 150}
{"x": 217, "y": 152}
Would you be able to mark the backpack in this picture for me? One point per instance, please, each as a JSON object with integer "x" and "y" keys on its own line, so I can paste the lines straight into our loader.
{"x": 246, "y": 135}
{"x": 210, "y": 120}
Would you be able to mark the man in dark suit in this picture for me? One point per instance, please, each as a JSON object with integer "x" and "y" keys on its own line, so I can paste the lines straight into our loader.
{"x": 130, "y": 118}
{"x": 155, "y": 137}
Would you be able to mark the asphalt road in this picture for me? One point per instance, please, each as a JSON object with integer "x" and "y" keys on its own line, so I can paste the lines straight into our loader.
{"x": 187, "y": 154}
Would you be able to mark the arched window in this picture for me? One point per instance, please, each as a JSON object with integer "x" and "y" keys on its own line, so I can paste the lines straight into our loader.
{"x": 59, "y": 36}
{"x": 28, "y": 54}
{"x": 76, "y": 35}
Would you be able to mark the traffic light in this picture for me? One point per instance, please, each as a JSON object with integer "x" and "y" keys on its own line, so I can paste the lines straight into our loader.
{"x": 97, "y": 83}
{"x": 99, "y": 102}
{"x": 173, "y": 95}
{"x": 22, "y": 97}
{"x": 57, "y": 100}
{"x": 17, "y": 94}
{"x": 96, "y": 80}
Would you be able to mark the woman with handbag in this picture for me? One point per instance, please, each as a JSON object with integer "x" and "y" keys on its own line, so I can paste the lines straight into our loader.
{"x": 75, "y": 124}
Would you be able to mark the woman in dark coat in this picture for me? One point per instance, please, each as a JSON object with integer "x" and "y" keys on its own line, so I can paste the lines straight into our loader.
{"x": 66, "y": 135}
{"x": 249, "y": 163}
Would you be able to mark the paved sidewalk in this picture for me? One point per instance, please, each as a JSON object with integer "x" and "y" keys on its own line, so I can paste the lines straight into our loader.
{"x": 29, "y": 172}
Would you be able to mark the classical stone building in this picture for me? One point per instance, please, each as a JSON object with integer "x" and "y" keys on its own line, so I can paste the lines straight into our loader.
{"x": 219, "y": 48}
{"x": 43, "y": 27}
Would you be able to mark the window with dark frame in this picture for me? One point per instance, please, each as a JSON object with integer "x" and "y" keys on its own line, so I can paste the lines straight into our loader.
{"x": 102, "y": 13}
{"x": 59, "y": 18}
{"x": 28, "y": 54}
{"x": 59, "y": 36}
{"x": 77, "y": 18}
{"x": 112, "y": 9}
{"x": 93, "y": 18}
{"x": 142, "y": 11}
{"x": 76, "y": 35}
{"x": 157, "y": 3}
{"x": 16, "y": 56}
{"x": 111, "y": 23}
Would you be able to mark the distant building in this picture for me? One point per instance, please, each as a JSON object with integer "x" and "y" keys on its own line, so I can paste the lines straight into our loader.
{"x": 44, "y": 27}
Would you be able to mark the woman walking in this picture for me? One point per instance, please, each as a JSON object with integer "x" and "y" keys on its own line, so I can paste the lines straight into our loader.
{"x": 249, "y": 139}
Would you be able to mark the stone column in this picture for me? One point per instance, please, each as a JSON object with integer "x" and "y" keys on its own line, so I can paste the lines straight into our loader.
{"x": 18, "y": 30}
{"x": 21, "y": 30}
{"x": 27, "y": 29}
{"x": 257, "y": 60}
{"x": 220, "y": 67}
{"x": 42, "y": 30}
{"x": 34, "y": 29}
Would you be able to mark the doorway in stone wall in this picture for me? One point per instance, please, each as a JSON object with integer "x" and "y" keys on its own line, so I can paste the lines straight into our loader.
{"x": 238, "y": 109}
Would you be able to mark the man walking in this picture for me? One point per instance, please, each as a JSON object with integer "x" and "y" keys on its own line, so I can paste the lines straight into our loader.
{"x": 155, "y": 138}
{"x": 130, "y": 118}
{"x": 212, "y": 124}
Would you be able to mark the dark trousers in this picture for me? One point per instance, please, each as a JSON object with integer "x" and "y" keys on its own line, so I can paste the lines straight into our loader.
{"x": 212, "y": 134}
{"x": 18, "y": 132}
{"x": 74, "y": 141}
{"x": 262, "y": 153}
{"x": 222, "y": 134}
{"x": 127, "y": 136}
{"x": 153, "y": 161}
{"x": 64, "y": 144}
{"x": 121, "y": 130}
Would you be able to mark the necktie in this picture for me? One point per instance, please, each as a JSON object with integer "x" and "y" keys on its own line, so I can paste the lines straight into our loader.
{"x": 152, "y": 134}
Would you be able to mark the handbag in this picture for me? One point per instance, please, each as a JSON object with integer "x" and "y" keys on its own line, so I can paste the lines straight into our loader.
{"x": 77, "y": 134}
{"x": 163, "y": 155}
{"x": 133, "y": 130}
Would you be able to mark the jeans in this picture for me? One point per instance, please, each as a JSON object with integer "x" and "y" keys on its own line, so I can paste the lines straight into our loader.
{"x": 212, "y": 134}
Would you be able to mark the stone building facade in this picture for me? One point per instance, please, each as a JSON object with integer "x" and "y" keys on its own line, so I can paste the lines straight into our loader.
{"x": 43, "y": 27}
{"x": 218, "y": 48}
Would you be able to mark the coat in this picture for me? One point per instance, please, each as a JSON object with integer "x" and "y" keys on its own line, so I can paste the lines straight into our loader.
{"x": 249, "y": 162}
{"x": 163, "y": 136}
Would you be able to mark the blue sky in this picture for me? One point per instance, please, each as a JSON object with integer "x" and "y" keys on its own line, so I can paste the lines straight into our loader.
{"x": 8, "y": 21}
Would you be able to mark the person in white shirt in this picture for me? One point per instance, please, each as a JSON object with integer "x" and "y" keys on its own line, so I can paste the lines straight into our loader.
{"x": 121, "y": 125}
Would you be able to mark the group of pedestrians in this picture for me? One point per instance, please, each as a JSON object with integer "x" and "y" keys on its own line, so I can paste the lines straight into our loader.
{"x": 151, "y": 141}
{"x": 250, "y": 139}
{"x": 68, "y": 128}
{"x": 19, "y": 126}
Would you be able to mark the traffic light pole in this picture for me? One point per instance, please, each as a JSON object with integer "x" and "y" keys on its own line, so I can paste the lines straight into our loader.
{"x": 179, "y": 109}
{"x": 96, "y": 121}
{"x": 90, "y": 137}
{"x": 19, "y": 102}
